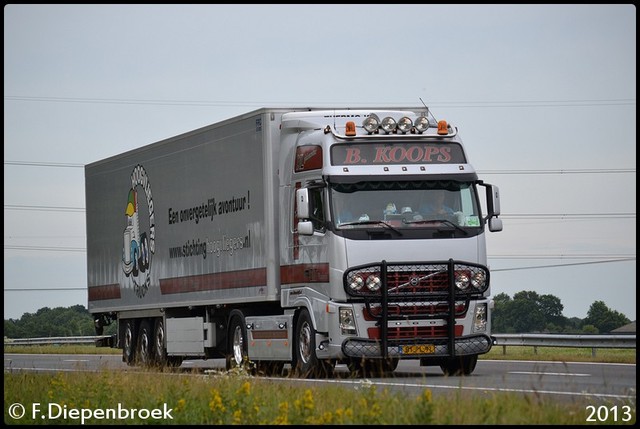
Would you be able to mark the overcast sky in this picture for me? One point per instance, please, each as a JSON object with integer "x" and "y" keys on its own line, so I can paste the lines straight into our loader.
{"x": 544, "y": 98}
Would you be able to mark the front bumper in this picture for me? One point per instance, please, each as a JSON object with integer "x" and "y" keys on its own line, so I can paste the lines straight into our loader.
{"x": 436, "y": 347}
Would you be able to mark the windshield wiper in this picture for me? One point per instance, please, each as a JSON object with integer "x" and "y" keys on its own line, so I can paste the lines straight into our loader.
{"x": 445, "y": 221}
{"x": 371, "y": 222}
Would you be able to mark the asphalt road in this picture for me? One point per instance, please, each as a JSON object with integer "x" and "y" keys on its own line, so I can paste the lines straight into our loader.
{"x": 594, "y": 382}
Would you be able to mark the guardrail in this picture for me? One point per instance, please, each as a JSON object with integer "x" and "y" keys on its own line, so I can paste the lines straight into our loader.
{"x": 624, "y": 341}
{"x": 618, "y": 341}
{"x": 43, "y": 341}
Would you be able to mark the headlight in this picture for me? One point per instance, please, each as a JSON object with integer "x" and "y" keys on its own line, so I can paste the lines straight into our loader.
{"x": 347, "y": 323}
{"x": 371, "y": 123}
{"x": 479, "y": 280}
{"x": 422, "y": 124}
{"x": 373, "y": 283}
{"x": 356, "y": 283}
{"x": 388, "y": 124}
{"x": 480, "y": 318}
{"x": 462, "y": 280}
{"x": 404, "y": 125}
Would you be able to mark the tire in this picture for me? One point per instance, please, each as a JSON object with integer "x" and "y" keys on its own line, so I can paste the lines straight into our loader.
{"x": 144, "y": 348}
{"x": 305, "y": 362}
{"x": 159, "y": 350}
{"x": 129, "y": 343}
{"x": 269, "y": 368}
{"x": 461, "y": 365}
{"x": 371, "y": 367}
{"x": 174, "y": 361}
{"x": 238, "y": 355}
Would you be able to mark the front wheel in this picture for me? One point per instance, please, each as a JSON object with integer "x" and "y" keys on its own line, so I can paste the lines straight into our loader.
{"x": 461, "y": 365}
{"x": 371, "y": 367}
{"x": 305, "y": 362}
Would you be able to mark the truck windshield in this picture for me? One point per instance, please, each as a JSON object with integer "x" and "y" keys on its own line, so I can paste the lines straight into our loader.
{"x": 404, "y": 204}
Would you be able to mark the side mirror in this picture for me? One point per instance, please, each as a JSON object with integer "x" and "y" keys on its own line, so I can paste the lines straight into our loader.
{"x": 302, "y": 203}
{"x": 493, "y": 199}
{"x": 305, "y": 227}
{"x": 495, "y": 224}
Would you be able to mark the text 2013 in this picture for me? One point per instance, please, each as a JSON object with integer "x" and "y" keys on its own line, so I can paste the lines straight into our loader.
{"x": 604, "y": 413}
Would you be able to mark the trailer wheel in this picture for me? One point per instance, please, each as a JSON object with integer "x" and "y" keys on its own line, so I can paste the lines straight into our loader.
{"x": 129, "y": 340}
{"x": 305, "y": 362}
{"x": 461, "y": 365}
{"x": 269, "y": 368}
{"x": 159, "y": 351}
{"x": 174, "y": 361}
{"x": 238, "y": 355}
{"x": 145, "y": 343}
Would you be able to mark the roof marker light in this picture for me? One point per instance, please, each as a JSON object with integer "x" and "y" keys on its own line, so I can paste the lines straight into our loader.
{"x": 443, "y": 127}
{"x": 350, "y": 129}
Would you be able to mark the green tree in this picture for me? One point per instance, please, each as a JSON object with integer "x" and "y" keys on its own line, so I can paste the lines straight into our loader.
{"x": 528, "y": 312}
{"x": 603, "y": 318}
{"x": 47, "y": 322}
{"x": 500, "y": 319}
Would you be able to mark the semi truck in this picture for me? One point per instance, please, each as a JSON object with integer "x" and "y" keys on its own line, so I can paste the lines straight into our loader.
{"x": 294, "y": 236}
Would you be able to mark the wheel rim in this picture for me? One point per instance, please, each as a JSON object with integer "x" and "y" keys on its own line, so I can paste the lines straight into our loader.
{"x": 144, "y": 346}
{"x": 160, "y": 340}
{"x": 128, "y": 340}
{"x": 238, "y": 343}
{"x": 304, "y": 343}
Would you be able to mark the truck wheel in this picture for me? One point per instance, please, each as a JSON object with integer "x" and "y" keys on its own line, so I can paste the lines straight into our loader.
{"x": 269, "y": 368}
{"x": 129, "y": 340}
{"x": 461, "y": 365}
{"x": 238, "y": 355}
{"x": 305, "y": 362}
{"x": 145, "y": 343}
{"x": 174, "y": 361}
{"x": 159, "y": 351}
{"x": 361, "y": 367}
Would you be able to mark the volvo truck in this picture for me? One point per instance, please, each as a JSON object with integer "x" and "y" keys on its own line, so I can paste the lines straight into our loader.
{"x": 305, "y": 237}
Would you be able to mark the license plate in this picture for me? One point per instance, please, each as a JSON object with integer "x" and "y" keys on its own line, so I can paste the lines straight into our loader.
{"x": 418, "y": 349}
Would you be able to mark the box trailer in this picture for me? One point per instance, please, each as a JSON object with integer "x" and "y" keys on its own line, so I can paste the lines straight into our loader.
{"x": 302, "y": 236}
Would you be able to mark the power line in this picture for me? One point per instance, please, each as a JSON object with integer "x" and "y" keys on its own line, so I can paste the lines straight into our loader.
{"x": 567, "y": 216}
{"x": 552, "y": 256}
{"x": 493, "y": 270}
{"x": 562, "y": 256}
{"x": 43, "y": 208}
{"x": 44, "y": 164}
{"x": 563, "y": 171}
{"x": 43, "y": 289}
{"x": 46, "y": 248}
{"x": 221, "y": 103}
{"x": 562, "y": 265}
{"x": 554, "y": 171}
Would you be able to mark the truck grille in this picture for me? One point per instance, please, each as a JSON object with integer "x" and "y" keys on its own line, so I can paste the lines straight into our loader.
{"x": 405, "y": 291}
{"x": 415, "y": 307}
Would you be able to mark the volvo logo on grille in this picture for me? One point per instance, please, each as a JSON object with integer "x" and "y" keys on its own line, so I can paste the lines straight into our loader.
{"x": 413, "y": 281}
